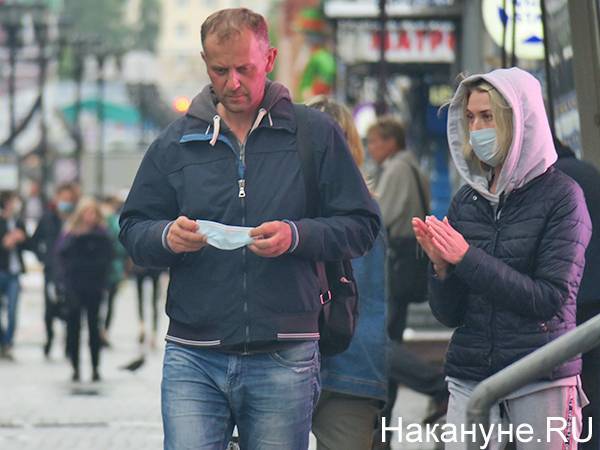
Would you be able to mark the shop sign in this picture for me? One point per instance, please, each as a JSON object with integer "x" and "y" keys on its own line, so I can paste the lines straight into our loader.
{"x": 405, "y": 41}
{"x": 529, "y": 36}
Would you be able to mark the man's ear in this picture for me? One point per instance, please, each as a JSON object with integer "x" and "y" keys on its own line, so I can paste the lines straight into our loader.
{"x": 203, "y": 56}
{"x": 271, "y": 55}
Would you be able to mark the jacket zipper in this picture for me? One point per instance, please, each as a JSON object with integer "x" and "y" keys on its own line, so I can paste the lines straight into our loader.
{"x": 495, "y": 243}
{"x": 241, "y": 163}
{"x": 242, "y": 197}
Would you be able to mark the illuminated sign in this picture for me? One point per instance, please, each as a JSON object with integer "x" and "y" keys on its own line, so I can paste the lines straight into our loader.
{"x": 405, "y": 41}
{"x": 529, "y": 36}
{"x": 370, "y": 8}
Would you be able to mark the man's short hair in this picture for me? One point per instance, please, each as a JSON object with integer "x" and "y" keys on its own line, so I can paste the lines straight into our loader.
{"x": 228, "y": 22}
{"x": 389, "y": 127}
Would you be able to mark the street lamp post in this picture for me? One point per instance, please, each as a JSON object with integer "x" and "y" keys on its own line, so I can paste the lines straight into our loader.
{"x": 80, "y": 45}
{"x": 100, "y": 58}
{"x": 40, "y": 23}
{"x": 380, "y": 105}
{"x": 11, "y": 20}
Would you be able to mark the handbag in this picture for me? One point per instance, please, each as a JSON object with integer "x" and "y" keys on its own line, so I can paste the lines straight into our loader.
{"x": 407, "y": 279}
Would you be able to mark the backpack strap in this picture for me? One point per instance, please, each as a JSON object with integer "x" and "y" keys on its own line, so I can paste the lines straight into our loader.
{"x": 307, "y": 161}
{"x": 424, "y": 203}
{"x": 306, "y": 154}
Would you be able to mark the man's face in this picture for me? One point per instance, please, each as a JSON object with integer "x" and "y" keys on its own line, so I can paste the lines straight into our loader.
{"x": 238, "y": 68}
{"x": 379, "y": 147}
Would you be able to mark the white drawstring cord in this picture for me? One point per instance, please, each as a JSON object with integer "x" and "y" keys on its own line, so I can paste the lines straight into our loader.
{"x": 217, "y": 126}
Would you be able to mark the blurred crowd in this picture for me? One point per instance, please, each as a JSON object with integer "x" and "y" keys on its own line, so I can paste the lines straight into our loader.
{"x": 76, "y": 241}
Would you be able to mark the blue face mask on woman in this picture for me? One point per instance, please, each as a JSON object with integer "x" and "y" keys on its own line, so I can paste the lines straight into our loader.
{"x": 484, "y": 145}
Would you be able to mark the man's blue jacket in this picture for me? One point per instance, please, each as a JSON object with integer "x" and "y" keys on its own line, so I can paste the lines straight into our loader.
{"x": 198, "y": 169}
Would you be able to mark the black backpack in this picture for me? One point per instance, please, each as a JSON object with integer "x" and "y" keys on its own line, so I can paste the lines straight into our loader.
{"x": 339, "y": 295}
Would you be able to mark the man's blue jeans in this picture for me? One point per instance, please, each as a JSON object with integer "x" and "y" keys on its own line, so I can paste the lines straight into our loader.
{"x": 269, "y": 396}
{"x": 9, "y": 288}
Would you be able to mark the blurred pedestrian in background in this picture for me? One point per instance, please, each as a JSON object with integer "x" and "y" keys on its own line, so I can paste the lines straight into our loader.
{"x": 85, "y": 252}
{"x": 402, "y": 191}
{"x": 33, "y": 208}
{"x": 143, "y": 276}
{"x": 588, "y": 298}
{"x": 354, "y": 383}
{"x": 13, "y": 240}
{"x": 508, "y": 259}
{"x": 111, "y": 209}
{"x": 43, "y": 242}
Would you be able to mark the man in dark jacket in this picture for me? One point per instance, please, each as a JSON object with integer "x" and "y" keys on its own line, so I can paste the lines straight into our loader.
{"x": 242, "y": 339}
{"x": 43, "y": 242}
{"x": 588, "y": 298}
{"x": 13, "y": 240}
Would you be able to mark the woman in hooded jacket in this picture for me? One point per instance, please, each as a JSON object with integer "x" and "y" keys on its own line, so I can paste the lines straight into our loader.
{"x": 508, "y": 259}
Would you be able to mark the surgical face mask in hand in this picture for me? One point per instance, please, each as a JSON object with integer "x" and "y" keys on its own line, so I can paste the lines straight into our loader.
{"x": 484, "y": 145}
{"x": 225, "y": 237}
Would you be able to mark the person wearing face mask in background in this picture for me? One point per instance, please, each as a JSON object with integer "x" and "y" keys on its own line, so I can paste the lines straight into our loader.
{"x": 13, "y": 240}
{"x": 43, "y": 242}
{"x": 508, "y": 259}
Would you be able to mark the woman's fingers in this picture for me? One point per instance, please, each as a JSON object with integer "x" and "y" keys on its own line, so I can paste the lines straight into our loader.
{"x": 441, "y": 247}
{"x": 443, "y": 229}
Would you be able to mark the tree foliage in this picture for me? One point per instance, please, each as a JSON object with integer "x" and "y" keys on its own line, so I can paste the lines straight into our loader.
{"x": 103, "y": 20}
{"x": 148, "y": 27}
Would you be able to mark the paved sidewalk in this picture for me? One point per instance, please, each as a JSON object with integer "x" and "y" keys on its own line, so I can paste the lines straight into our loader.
{"x": 40, "y": 408}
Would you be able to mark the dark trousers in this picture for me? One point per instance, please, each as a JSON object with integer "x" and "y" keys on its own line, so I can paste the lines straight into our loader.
{"x": 590, "y": 377}
{"x": 49, "y": 311}
{"x": 407, "y": 368}
{"x": 80, "y": 301}
{"x": 154, "y": 277}
{"x": 110, "y": 297}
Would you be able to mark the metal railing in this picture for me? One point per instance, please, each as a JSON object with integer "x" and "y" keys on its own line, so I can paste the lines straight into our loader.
{"x": 532, "y": 367}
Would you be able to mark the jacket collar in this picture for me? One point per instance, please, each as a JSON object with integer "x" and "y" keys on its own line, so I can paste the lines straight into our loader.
{"x": 276, "y": 111}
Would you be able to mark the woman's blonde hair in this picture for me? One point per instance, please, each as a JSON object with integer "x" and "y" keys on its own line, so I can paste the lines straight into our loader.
{"x": 74, "y": 222}
{"x": 501, "y": 111}
{"x": 342, "y": 115}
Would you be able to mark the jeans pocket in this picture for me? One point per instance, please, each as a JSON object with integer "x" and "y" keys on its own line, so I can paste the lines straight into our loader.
{"x": 299, "y": 356}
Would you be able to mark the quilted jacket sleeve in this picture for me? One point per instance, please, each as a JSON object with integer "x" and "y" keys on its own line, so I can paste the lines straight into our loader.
{"x": 558, "y": 264}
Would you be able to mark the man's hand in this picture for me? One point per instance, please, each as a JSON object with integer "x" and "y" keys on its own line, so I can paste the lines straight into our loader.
{"x": 8, "y": 241}
{"x": 13, "y": 238}
{"x": 18, "y": 235}
{"x": 271, "y": 239}
{"x": 183, "y": 236}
